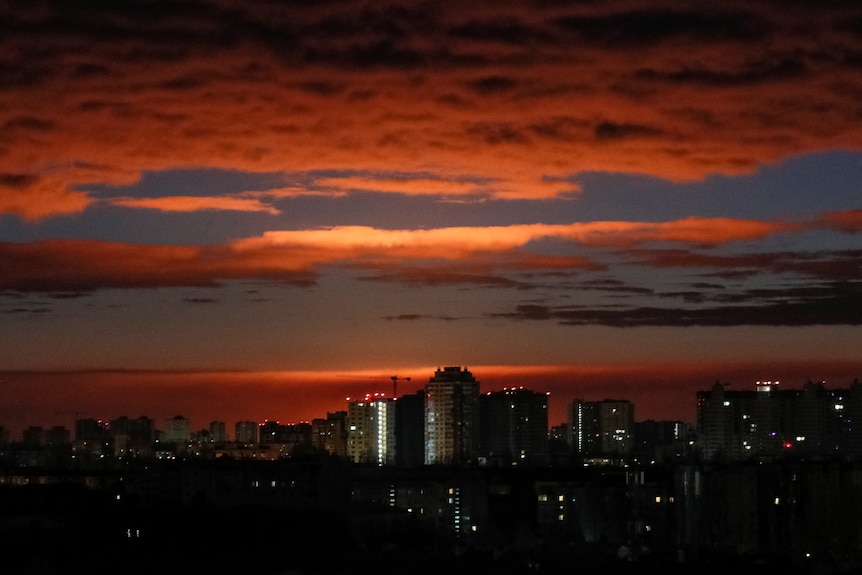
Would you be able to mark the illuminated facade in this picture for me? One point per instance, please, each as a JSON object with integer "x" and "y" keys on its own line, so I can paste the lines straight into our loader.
{"x": 371, "y": 430}
{"x": 602, "y": 428}
{"x": 451, "y": 417}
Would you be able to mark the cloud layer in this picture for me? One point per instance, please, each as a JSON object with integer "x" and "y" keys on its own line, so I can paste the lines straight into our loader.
{"x": 503, "y": 100}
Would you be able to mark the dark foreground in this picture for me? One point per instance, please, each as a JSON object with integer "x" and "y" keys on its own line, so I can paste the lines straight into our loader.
{"x": 71, "y": 530}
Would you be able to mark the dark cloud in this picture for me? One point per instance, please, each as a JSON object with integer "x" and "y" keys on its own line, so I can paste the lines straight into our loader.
{"x": 829, "y": 265}
{"x": 493, "y": 84}
{"x": 782, "y": 68}
{"x": 26, "y": 310}
{"x": 497, "y": 133}
{"x": 499, "y": 31}
{"x": 445, "y": 277}
{"x": 70, "y": 267}
{"x": 27, "y": 123}
{"x": 622, "y": 131}
{"x": 418, "y": 316}
{"x": 648, "y": 27}
{"x": 199, "y": 300}
{"x": 17, "y": 180}
{"x": 564, "y": 128}
{"x": 613, "y": 286}
{"x": 837, "y": 304}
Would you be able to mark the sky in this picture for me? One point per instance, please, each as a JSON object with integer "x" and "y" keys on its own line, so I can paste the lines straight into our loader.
{"x": 251, "y": 210}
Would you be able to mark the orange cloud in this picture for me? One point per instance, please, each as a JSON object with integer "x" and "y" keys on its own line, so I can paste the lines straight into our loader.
{"x": 195, "y": 203}
{"x": 404, "y": 185}
{"x": 293, "y": 256}
{"x": 521, "y": 98}
{"x": 456, "y": 241}
{"x": 705, "y": 231}
{"x": 849, "y": 221}
{"x": 37, "y": 197}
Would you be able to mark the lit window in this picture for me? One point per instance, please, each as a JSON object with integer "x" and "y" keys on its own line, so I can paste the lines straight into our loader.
{"x": 543, "y": 497}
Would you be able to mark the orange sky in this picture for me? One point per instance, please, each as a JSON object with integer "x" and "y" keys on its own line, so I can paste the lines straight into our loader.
{"x": 658, "y": 391}
{"x": 220, "y": 186}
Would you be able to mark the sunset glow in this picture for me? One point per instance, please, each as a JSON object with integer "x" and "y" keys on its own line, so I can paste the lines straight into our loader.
{"x": 236, "y": 202}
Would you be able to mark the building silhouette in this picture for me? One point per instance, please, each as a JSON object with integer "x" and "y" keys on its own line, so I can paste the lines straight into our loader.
{"x": 132, "y": 437}
{"x": 178, "y": 430}
{"x": 410, "y": 429}
{"x": 218, "y": 432}
{"x": 329, "y": 434}
{"x": 769, "y": 421}
{"x": 514, "y": 426}
{"x": 246, "y": 432}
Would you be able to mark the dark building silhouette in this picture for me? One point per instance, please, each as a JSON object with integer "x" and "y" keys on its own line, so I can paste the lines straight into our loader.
{"x": 514, "y": 426}
{"x": 661, "y": 440}
{"x": 246, "y": 432}
{"x": 57, "y": 436}
{"x": 34, "y": 436}
{"x": 329, "y": 435}
{"x": 133, "y": 437}
{"x": 285, "y": 437}
{"x": 768, "y": 421}
{"x": 410, "y": 430}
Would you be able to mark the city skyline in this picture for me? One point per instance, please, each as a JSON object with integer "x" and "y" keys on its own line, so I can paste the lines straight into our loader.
{"x": 232, "y": 207}
{"x": 191, "y": 404}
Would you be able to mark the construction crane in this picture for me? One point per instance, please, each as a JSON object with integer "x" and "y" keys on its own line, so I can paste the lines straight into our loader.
{"x": 395, "y": 379}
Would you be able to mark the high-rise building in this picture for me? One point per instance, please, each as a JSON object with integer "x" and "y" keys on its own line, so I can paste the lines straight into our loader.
{"x": 91, "y": 430}
{"x": 602, "y": 428}
{"x": 246, "y": 432}
{"x": 178, "y": 430}
{"x": 371, "y": 430}
{"x": 57, "y": 435}
{"x": 514, "y": 425}
{"x": 132, "y": 437}
{"x": 451, "y": 417}
{"x": 410, "y": 430}
{"x": 218, "y": 432}
{"x": 770, "y": 421}
{"x": 329, "y": 435}
{"x": 660, "y": 440}
{"x": 34, "y": 436}
{"x": 285, "y": 433}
